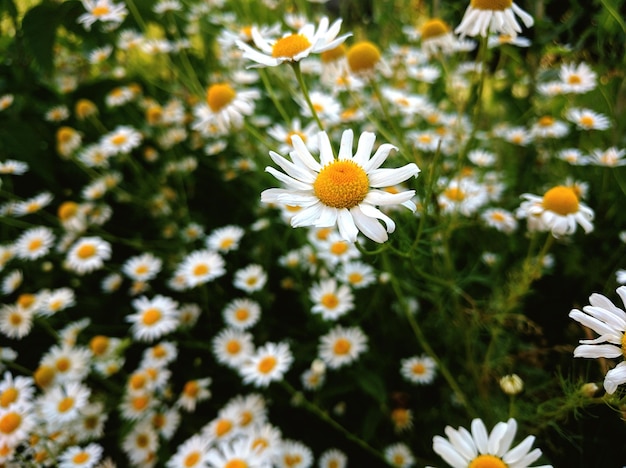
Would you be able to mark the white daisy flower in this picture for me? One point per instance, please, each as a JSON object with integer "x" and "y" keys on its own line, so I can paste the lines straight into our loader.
{"x": 224, "y": 109}
{"x": 56, "y": 300}
{"x": 436, "y": 36}
{"x": 357, "y": 274}
{"x": 17, "y": 424}
{"x": 142, "y": 267}
{"x": 13, "y": 166}
{"x": 102, "y": 10}
{"x": 241, "y": 313}
{"x": 399, "y": 455}
{"x": 88, "y": 254}
{"x": 294, "y": 454}
{"x": 418, "y": 369}
{"x": 15, "y": 322}
{"x": 11, "y": 282}
{"x": 609, "y": 322}
{"x": 250, "y": 279}
{"x": 34, "y": 243}
{"x": 577, "y": 79}
{"x": 122, "y": 140}
{"x": 63, "y": 403}
{"x": 558, "y": 211}
{"x": 610, "y": 157}
{"x": 342, "y": 191}
{"x": 16, "y": 391}
{"x": 193, "y": 392}
{"x": 293, "y": 47}
{"x": 225, "y": 239}
{"x": 342, "y": 346}
{"x": 232, "y": 347}
{"x": 32, "y": 205}
{"x": 153, "y": 317}
{"x": 335, "y": 250}
{"x": 199, "y": 267}
{"x": 70, "y": 363}
{"x": 330, "y": 299}
{"x": 486, "y": 16}
{"x": 463, "y": 195}
{"x": 500, "y": 219}
{"x": 191, "y": 453}
{"x": 237, "y": 452}
{"x": 80, "y": 457}
{"x": 572, "y": 156}
{"x": 549, "y": 127}
{"x": 586, "y": 119}
{"x": 283, "y": 134}
{"x": 268, "y": 364}
{"x": 333, "y": 458}
{"x": 462, "y": 448}
{"x": 251, "y": 408}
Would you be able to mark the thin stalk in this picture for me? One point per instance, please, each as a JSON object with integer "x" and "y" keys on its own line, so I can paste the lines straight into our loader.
{"x": 303, "y": 88}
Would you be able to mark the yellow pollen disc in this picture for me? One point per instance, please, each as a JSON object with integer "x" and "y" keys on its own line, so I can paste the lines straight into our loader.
{"x": 487, "y": 461}
{"x": 246, "y": 31}
{"x": 246, "y": 418}
{"x": 251, "y": 281}
{"x": 333, "y": 464}
{"x": 119, "y": 139}
{"x": 10, "y": 422}
{"x": 497, "y": 216}
{"x": 242, "y": 314}
{"x": 65, "y": 404}
{"x": 84, "y": 108}
{"x": 151, "y": 316}
{"x": 85, "y": 251}
{"x": 586, "y": 121}
{"x": 496, "y": 5}
{"x": 140, "y": 403}
{"x": 191, "y": 388}
{"x": 100, "y": 10}
{"x": 236, "y": 463}
{"x": 222, "y": 427}
{"x": 574, "y": 79}
{"x": 260, "y": 444}
{"x": 266, "y": 364}
{"x": 363, "y": 56}
{"x": 624, "y": 344}
{"x": 418, "y": 369}
{"x": 333, "y": 54}
{"x": 81, "y": 457}
{"x": 342, "y": 346}
{"x": 561, "y": 200}
{"x": 35, "y": 244}
{"x": 355, "y": 278}
{"x": 90, "y": 422}
{"x": 15, "y": 319}
{"x": 192, "y": 459}
{"x": 26, "y": 300}
{"x": 292, "y": 460}
{"x": 425, "y": 138}
{"x": 330, "y": 301}
{"x": 8, "y": 396}
{"x": 339, "y": 248}
{"x": 63, "y": 364}
{"x": 67, "y": 210}
{"x": 454, "y": 194}
{"x": 137, "y": 381}
{"x": 200, "y": 270}
{"x": 219, "y": 96}
{"x": 226, "y": 243}
{"x": 292, "y": 133}
{"x": 142, "y": 440}
{"x": 233, "y": 347}
{"x": 99, "y": 345}
{"x": 546, "y": 121}
{"x": 292, "y": 208}
{"x": 434, "y": 28}
{"x": 65, "y": 134}
{"x": 323, "y": 233}
{"x": 44, "y": 375}
{"x": 159, "y": 351}
{"x": 290, "y": 46}
{"x": 341, "y": 184}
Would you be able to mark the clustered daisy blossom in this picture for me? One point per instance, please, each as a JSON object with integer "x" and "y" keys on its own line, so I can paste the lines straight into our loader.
{"x": 342, "y": 191}
{"x": 492, "y": 16}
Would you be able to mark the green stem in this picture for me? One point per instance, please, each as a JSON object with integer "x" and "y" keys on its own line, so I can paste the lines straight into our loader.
{"x": 303, "y": 88}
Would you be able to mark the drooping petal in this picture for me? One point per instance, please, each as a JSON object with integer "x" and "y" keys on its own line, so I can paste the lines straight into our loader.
{"x": 373, "y": 212}
{"x": 370, "y": 227}
{"x": 615, "y": 377}
{"x": 346, "y": 225}
{"x": 596, "y": 351}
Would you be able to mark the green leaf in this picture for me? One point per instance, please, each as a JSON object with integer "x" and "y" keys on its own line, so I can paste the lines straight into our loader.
{"x": 372, "y": 384}
{"x": 39, "y": 27}
{"x": 9, "y": 7}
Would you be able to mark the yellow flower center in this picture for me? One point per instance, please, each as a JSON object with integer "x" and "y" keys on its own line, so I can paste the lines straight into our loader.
{"x": 35, "y": 244}
{"x": 15, "y": 319}
{"x": 574, "y": 79}
{"x": 236, "y": 463}
{"x": 497, "y": 217}
{"x": 151, "y": 316}
{"x": 81, "y": 457}
{"x": 100, "y": 10}
{"x": 65, "y": 134}
{"x": 341, "y": 184}
{"x": 191, "y": 389}
{"x": 290, "y": 46}
{"x": 226, "y": 243}
{"x": 586, "y": 121}
{"x": 454, "y": 194}
{"x": 292, "y": 133}
{"x": 65, "y": 404}
{"x": 63, "y": 364}
{"x": 200, "y": 270}
{"x": 487, "y": 461}
{"x": 192, "y": 459}
{"x": 363, "y": 56}
{"x": 10, "y": 422}
{"x": 561, "y": 200}
{"x": 497, "y": 5}
{"x": 242, "y": 314}
{"x": 246, "y": 418}
{"x": 84, "y": 108}
{"x": 67, "y": 210}
{"x": 342, "y": 346}
{"x": 99, "y": 345}
{"x": 138, "y": 381}
{"x": 333, "y": 54}
{"x": 546, "y": 121}
{"x": 233, "y": 347}
{"x": 8, "y": 396}
{"x": 624, "y": 344}
{"x": 118, "y": 140}
{"x": 26, "y": 300}
{"x": 44, "y": 375}
{"x": 219, "y": 96}
{"x": 85, "y": 251}
{"x": 292, "y": 460}
{"x": 355, "y": 278}
{"x": 222, "y": 427}
{"x": 266, "y": 364}
{"x": 434, "y": 28}
{"x": 418, "y": 369}
{"x": 140, "y": 403}
{"x": 330, "y": 301}
{"x": 339, "y": 248}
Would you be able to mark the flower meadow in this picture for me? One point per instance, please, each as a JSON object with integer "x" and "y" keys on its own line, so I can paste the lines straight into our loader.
{"x": 241, "y": 234}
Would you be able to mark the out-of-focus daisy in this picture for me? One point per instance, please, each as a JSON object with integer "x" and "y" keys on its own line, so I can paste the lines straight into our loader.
{"x": 488, "y": 16}
{"x": 238, "y": 452}
{"x": 610, "y": 157}
{"x": 331, "y": 300}
{"x": 13, "y": 166}
{"x": 62, "y": 403}
{"x": 586, "y": 119}
{"x": 11, "y": 282}
{"x": 620, "y": 276}
{"x": 572, "y": 156}
{"x": 250, "y": 278}
{"x": 294, "y": 454}
{"x": 68, "y": 140}
{"x": 268, "y": 364}
{"x": 365, "y": 59}
{"x": 462, "y": 195}
{"x": 283, "y": 134}
{"x": 141, "y": 444}
{"x": 85, "y": 108}
{"x": 482, "y": 158}
{"x": 517, "y": 135}
{"x": 293, "y": 47}
{"x": 420, "y": 370}
{"x": 166, "y": 6}
{"x": 225, "y": 238}
{"x": 342, "y": 346}
{"x": 342, "y": 191}
{"x": 402, "y": 419}
{"x": 333, "y": 458}
{"x": 80, "y": 457}
{"x": 549, "y": 127}
{"x": 122, "y": 140}
{"x": 153, "y": 317}
{"x": 241, "y": 313}
{"x": 191, "y": 453}
{"x": 34, "y": 243}
{"x": 577, "y": 79}
{"x": 142, "y": 267}
{"x": 100, "y": 54}
{"x": 500, "y": 219}
{"x": 17, "y": 424}
{"x": 501, "y": 39}
{"x": 193, "y": 392}
{"x": 199, "y": 267}
{"x": 15, "y": 322}
{"x": 399, "y": 455}
{"x": 16, "y": 391}
{"x": 336, "y": 250}
{"x": 88, "y": 254}
{"x": 224, "y": 109}
{"x": 436, "y": 36}
{"x": 33, "y": 204}
{"x": 558, "y": 211}
{"x": 251, "y": 408}
{"x": 357, "y": 274}
{"x": 265, "y": 439}
{"x": 119, "y": 96}
{"x": 480, "y": 448}
{"x": 232, "y": 347}
{"x": 609, "y": 322}
{"x": 68, "y": 363}
{"x": 57, "y": 300}
{"x": 104, "y": 11}
{"x": 5, "y": 101}
{"x": 57, "y": 114}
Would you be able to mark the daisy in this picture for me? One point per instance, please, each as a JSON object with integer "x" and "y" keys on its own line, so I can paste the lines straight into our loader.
{"x": 119, "y": 96}
{"x": 549, "y": 127}
{"x": 32, "y": 205}
{"x": 223, "y": 428}
{"x": 63, "y": 403}
{"x": 200, "y": 267}
{"x": 336, "y": 250}
{"x": 572, "y": 156}
{"x": 283, "y": 134}
{"x": 611, "y": 157}
{"x": 153, "y": 317}
{"x": 268, "y": 364}
{"x": 100, "y": 54}
{"x": 500, "y": 219}
{"x": 331, "y": 300}
{"x": 57, "y": 114}
{"x": 241, "y": 313}
{"x": 122, "y": 140}
{"x": 251, "y": 410}
{"x": 141, "y": 444}
{"x": 57, "y": 300}
{"x": 357, "y": 274}
{"x": 191, "y": 453}
{"x": 342, "y": 346}
{"x": 462, "y": 448}
{"x": 341, "y": 191}
{"x": 250, "y": 279}
{"x": 15, "y": 322}
{"x": 85, "y": 108}
{"x": 294, "y": 454}
{"x": 333, "y": 458}
{"x": 501, "y": 39}
{"x": 68, "y": 363}
{"x": 399, "y": 455}
{"x": 586, "y": 119}
{"x": 33, "y": 243}
{"x": 364, "y": 58}
{"x": 88, "y": 254}
{"x": 166, "y": 422}
{"x": 577, "y": 79}
{"x": 16, "y": 391}
{"x": 16, "y": 424}
{"x": 142, "y": 267}
{"x": 482, "y": 158}
{"x": 488, "y": 16}
{"x": 558, "y": 211}
{"x": 462, "y": 195}
{"x": 224, "y": 109}
{"x": 293, "y": 47}
{"x": 620, "y": 276}
{"x": 419, "y": 369}
{"x": 5, "y": 101}
{"x": 436, "y": 36}
{"x": 238, "y": 452}
{"x": 188, "y": 314}
{"x": 13, "y": 166}
{"x": 102, "y": 10}
{"x": 232, "y": 347}
{"x": 225, "y": 239}
{"x": 80, "y": 457}
{"x": 193, "y": 392}
{"x": 11, "y": 282}
{"x": 609, "y": 322}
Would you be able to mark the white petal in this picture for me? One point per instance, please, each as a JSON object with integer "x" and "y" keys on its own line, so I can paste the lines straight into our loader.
{"x": 615, "y": 377}
{"x": 345, "y": 149}
{"x": 495, "y": 437}
{"x": 445, "y": 450}
{"x": 364, "y": 149}
{"x": 389, "y": 177}
{"x": 307, "y": 216}
{"x": 370, "y": 227}
{"x": 345, "y": 223}
{"x": 292, "y": 170}
{"x": 326, "y": 150}
{"x": 373, "y": 212}
{"x": 303, "y": 155}
{"x": 479, "y": 433}
{"x": 289, "y": 181}
{"x": 382, "y": 198}
{"x": 596, "y": 351}
{"x": 520, "y": 451}
{"x": 379, "y": 157}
